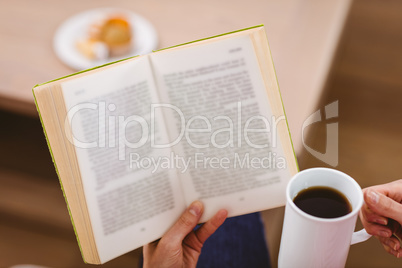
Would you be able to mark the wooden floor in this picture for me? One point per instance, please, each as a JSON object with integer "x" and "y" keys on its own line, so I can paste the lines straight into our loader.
{"x": 366, "y": 79}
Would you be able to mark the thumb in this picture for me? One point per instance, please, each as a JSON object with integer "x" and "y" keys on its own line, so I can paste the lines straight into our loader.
{"x": 383, "y": 205}
{"x": 186, "y": 223}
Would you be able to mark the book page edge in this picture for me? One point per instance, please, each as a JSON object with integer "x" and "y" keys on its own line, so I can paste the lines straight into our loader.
{"x": 264, "y": 56}
{"x": 45, "y": 101}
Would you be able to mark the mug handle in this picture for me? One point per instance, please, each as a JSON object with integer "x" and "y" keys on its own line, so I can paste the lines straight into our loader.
{"x": 359, "y": 236}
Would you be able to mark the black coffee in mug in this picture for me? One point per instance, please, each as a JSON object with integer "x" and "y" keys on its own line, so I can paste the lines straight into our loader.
{"x": 323, "y": 202}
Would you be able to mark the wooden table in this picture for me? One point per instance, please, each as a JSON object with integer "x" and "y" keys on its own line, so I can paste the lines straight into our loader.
{"x": 303, "y": 36}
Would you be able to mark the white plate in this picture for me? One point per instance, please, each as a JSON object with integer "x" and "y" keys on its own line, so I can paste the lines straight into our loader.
{"x": 145, "y": 38}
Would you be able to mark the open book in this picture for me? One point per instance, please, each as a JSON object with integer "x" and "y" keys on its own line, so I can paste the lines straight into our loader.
{"x": 136, "y": 141}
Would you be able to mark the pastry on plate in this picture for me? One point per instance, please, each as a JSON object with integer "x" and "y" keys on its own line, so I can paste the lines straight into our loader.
{"x": 108, "y": 37}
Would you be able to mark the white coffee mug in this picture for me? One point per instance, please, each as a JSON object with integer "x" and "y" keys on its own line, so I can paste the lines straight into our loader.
{"x": 309, "y": 241}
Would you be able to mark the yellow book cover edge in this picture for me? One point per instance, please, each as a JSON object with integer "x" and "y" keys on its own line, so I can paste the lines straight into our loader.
{"x": 58, "y": 175}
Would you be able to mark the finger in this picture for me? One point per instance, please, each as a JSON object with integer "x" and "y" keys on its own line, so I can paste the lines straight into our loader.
{"x": 391, "y": 242}
{"x": 396, "y": 252}
{"x": 371, "y": 226}
{"x": 393, "y": 190}
{"x": 197, "y": 239}
{"x": 398, "y": 232}
{"x": 151, "y": 246}
{"x": 208, "y": 228}
{"x": 370, "y": 216}
{"x": 394, "y": 226}
{"x": 377, "y": 230}
{"x": 186, "y": 223}
{"x": 148, "y": 249}
{"x": 383, "y": 205}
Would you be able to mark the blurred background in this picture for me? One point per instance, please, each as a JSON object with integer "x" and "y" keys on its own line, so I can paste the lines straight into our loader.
{"x": 336, "y": 50}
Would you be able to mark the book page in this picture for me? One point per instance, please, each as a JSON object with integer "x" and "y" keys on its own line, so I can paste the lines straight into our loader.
{"x": 221, "y": 126}
{"x": 113, "y": 128}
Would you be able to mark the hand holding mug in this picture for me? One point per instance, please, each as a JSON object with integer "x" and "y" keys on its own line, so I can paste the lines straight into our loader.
{"x": 381, "y": 215}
